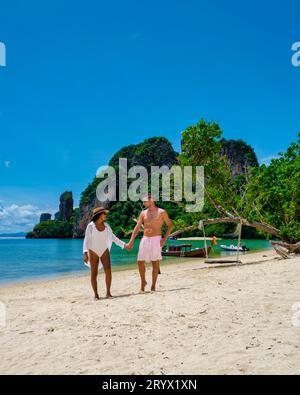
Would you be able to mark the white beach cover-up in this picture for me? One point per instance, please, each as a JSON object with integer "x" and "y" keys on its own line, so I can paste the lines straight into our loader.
{"x": 98, "y": 241}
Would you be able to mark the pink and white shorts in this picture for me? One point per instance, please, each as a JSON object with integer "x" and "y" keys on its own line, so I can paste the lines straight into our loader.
{"x": 150, "y": 249}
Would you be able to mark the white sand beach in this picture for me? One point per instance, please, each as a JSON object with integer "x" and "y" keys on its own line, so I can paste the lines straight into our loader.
{"x": 202, "y": 320}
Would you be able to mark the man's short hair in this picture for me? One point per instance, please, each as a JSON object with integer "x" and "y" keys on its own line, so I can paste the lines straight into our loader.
{"x": 148, "y": 197}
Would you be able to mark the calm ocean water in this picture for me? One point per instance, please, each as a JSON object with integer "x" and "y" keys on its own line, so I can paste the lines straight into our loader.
{"x": 22, "y": 259}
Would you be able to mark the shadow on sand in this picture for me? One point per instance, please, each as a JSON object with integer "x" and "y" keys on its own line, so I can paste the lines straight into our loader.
{"x": 145, "y": 293}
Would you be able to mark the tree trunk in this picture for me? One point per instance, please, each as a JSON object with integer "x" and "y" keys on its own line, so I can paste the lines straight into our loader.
{"x": 257, "y": 225}
{"x": 292, "y": 248}
{"x": 187, "y": 229}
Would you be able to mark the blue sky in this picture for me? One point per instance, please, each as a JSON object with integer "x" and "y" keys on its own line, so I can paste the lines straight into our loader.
{"x": 85, "y": 78}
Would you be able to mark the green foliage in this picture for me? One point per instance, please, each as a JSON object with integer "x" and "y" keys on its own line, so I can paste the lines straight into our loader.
{"x": 155, "y": 151}
{"x": 67, "y": 196}
{"x": 52, "y": 230}
{"x": 216, "y": 230}
{"x": 88, "y": 195}
{"x": 273, "y": 193}
{"x": 75, "y": 216}
{"x": 201, "y": 145}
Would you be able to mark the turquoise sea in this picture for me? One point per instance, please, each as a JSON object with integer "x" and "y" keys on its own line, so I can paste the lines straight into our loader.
{"x": 24, "y": 259}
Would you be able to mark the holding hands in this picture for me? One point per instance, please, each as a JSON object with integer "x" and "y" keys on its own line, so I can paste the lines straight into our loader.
{"x": 129, "y": 246}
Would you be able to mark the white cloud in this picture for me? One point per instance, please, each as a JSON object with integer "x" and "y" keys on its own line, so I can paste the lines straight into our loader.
{"x": 15, "y": 218}
{"x": 7, "y": 163}
{"x": 266, "y": 161}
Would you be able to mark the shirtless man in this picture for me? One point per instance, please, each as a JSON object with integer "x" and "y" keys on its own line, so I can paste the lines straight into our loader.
{"x": 151, "y": 244}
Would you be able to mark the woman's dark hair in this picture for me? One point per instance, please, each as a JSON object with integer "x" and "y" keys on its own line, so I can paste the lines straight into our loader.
{"x": 97, "y": 217}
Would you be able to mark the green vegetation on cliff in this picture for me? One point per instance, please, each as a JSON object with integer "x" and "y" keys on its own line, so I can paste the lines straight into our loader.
{"x": 201, "y": 144}
{"x": 273, "y": 193}
{"x": 155, "y": 151}
{"x": 52, "y": 230}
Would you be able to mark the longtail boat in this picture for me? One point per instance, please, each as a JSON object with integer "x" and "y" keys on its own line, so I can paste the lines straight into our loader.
{"x": 187, "y": 250}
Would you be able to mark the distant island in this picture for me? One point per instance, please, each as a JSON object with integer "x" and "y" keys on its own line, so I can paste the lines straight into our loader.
{"x": 20, "y": 234}
{"x": 61, "y": 227}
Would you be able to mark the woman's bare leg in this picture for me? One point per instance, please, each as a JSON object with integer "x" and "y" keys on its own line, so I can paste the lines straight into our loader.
{"x": 142, "y": 270}
{"x": 105, "y": 259}
{"x": 94, "y": 260}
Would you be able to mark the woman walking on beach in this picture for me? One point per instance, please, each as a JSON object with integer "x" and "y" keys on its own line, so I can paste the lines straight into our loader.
{"x": 96, "y": 246}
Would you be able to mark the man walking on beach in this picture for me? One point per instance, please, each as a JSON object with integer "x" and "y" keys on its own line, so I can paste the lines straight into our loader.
{"x": 152, "y": 242}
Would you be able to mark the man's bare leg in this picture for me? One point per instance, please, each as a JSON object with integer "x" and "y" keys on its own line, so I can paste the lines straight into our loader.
{"x": 94, "y": 260}
{"x": 155, "y": 270}
{"x": 105, "y": 260}
{"x": 142, "y": 270}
